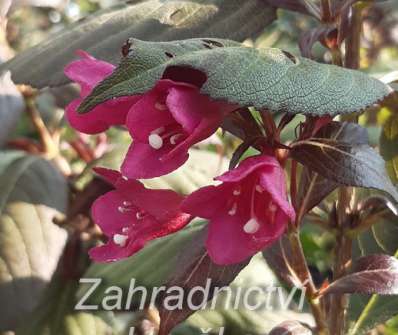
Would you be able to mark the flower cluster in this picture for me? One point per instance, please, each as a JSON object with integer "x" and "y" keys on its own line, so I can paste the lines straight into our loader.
{"x": 247, "y": 211}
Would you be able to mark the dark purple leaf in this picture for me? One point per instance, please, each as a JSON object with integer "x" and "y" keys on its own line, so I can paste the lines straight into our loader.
{"x": 340, "y": 152}
{"x": 310, "y": 37}
{"x": 280, "y": 259}
{"x": 195, "y": 269}
{"x": 375, "y": 274}
{"x": 313, "y": 189}
{"x": 239, "y": 152}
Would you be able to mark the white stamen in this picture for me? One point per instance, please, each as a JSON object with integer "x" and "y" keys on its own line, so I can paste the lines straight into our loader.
{"x": 272, "y": 207}
{"x": 139, "y": 215}
{"x": 160, "y": 106}
{"x": 259, "y": 189}
{"x": 236, "y": 192}
{"x": 158, "y": 130}
{"x": 120, "y": 240}
{"x": 233, "y": 210}
{"x": 251, "y": 226}
{"x": 155, "y": 141}
{"x": 124, "y": 178}
{"x": 174, "y": 138}
{"x": 127, "y": 203}
{"x": 123, "y": 210}
{"x": 125, "y": 230}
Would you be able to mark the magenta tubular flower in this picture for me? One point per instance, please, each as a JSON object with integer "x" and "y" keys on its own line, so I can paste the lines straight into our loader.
{"x": 165, "y": 123}
{"x": 247, "y": 212}
{"x": 131, "y": 215}
{"x": 88, "y": 72}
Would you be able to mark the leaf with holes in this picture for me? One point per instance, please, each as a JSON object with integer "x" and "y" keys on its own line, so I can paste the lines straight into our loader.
{"x": 266, "y": 78}
{"x": 103, "y": 33}
{"x": 374, "y": 274}
{"x": 32, "y": 193}
{"x": 340, "y": 152}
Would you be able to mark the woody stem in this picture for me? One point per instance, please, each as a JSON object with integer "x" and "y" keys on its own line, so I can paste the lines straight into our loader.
{"x": 302, "y": 271}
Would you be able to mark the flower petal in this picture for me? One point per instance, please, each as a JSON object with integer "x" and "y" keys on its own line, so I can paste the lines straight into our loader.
{"x": 106, "y": 214}
{"x": 228, "y": 243}
{"x": 138, "y": 236}
{"x": 142, "y": 161}
{"x": 189, "y": 106}
{"x": 88, "y": 71}
{"x": 101, "y": 117}
{"x": 150, "y": 112}
{"x": 273, "y": 181}
{"x": 207, "y": 201}
{"x": 161, "y": 204}
{"x": 248, "y": 166}
{"x": 207, "y": 126}
{"x": 111, "y": 176}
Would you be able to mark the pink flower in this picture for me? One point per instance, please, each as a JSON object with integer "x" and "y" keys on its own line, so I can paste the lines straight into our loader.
{"x": 247, "y": 212}
{"x": 132, "y": 215}
{"x": 164, "y": 122}
{"x": 88, "y": 72}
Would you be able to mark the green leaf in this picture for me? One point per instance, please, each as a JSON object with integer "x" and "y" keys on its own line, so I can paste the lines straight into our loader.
{"x": 385, "y": 232}
{"x": 33, "y": 192}
{"x": 389, "y": 146}
{"x": 266, "y": 78}
{"x": 56, "y": 315}
{"x": 340, "y": 152}
{"x": 104, "y": 33}
{"x": 11, "y": 106}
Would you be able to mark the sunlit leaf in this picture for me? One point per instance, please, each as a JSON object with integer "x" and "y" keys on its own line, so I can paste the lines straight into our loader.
{"x": 32, "y": 193}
